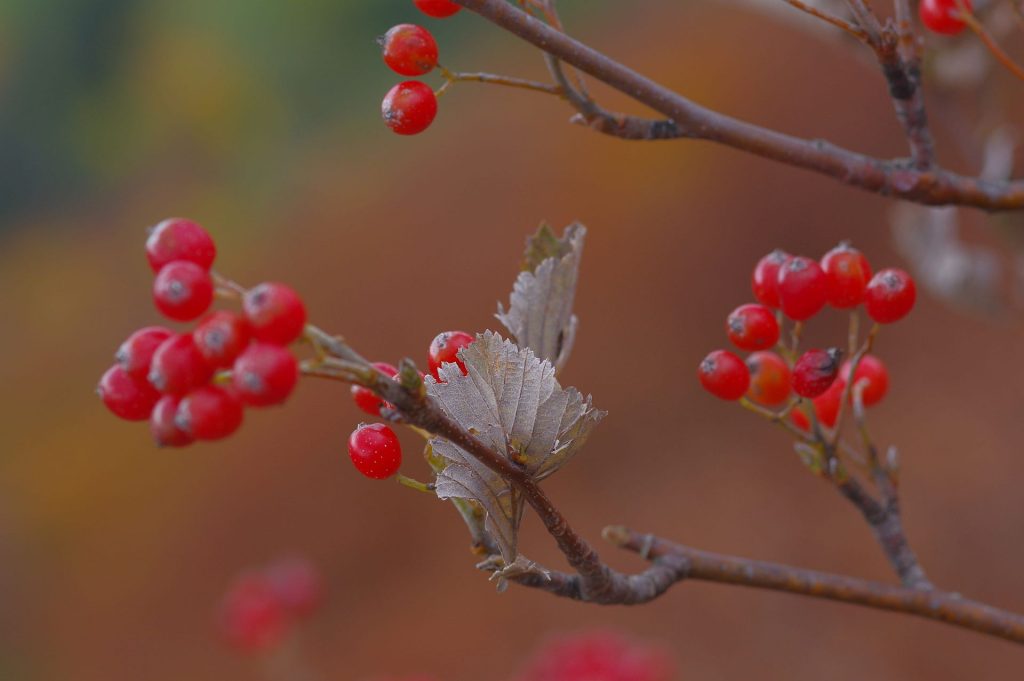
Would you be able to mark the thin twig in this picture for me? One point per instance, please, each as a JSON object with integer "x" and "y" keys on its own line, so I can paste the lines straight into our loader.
{"x": 495, "y": 79}
{"x": 843, "y": 24}
{"x": 990, "y": 42}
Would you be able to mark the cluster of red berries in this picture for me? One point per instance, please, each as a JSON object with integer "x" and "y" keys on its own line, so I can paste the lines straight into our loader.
{"x": 373, "y": 447}
{"x": 261, "y": 606}
{"x": 799, "y": 288}
{"x": 410, "y": 50}
{"x": 194, "y": 385}
{"x": 944, "y": 16}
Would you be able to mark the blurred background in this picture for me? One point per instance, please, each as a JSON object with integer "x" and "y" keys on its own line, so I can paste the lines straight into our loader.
{"x": 261, "y": 121}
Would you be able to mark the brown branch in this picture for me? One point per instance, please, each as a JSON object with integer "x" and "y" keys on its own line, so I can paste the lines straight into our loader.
{"x": 901, "y": 178}
{"x": 595, "y": 582}
{"x": 842, "y": 24}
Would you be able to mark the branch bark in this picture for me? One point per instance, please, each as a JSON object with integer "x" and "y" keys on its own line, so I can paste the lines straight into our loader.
{"x": 913, "y": 179}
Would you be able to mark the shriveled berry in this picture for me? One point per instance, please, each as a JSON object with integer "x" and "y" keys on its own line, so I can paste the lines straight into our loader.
{"x": 890, "y": 296}
{"x": 178, "y": 366}
{"x": 871, "y": 372}
{"x": 943, "y": 16}
{"x": 365, "y": 398}
{"x": 769, "y": 378}
{"x": 265, "y": 374}
{"x": 209, "y": 413}
{"x": 179, "y": 239}
{"x": 165, "y": 431}
{"x": 753, "y": 327}
{"x": 375, "y": 450}
{"x": 275, "y": 312}
{"x": 409, "y": 50}
{"x": 803, "y": 290}
{"x": 251, "y": 617}
{"x": 409, "y": 107}
{"x": 724, "y": 375}
{"x": 847, "y": 274}
{"x": 826, "y": 405}
{"x": 125, "y": 396}
{"x": 439, "y": 9}
{"x": 445, "y": 349}
{"x": 765, "y": 280}
{"x": 221, "y": 337}
{"x": 182, "y": 290}
{"x": 136, "y": 352}
{"x": 297, "y": 583}
{"x": 815, "y": 371}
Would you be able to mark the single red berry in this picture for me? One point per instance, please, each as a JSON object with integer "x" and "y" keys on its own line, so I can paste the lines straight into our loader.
{"x": 815, "y": 371}
{"x": 297, "y": 583}
{"x": 251, "y": 617}
{"x": 724, "y": 375}
{"x": 803, "y": 290}
{"x": 769, "y": 378}
{"x": 265, "y": 374}
{"x": 166, "y": 432}
{"x": 943, "y": 16}
{"x": 209, "y": 413}
{"x": 752, "y": 327}
{"x": 375, "y": 450}
{"x": 409, "y": 108}
{"x": 222, "y": 337}
{"x": 765, "y": 280}
{"x": 409, "y": 50}
{"x": 136, "y": 353}
{"x": 445, "y": 349}
{"x": 847, "y": 274}
{"x": 826, "y": 405}
{"x": 599, "y": 656}
{"x": 366, "y": 399}
{"x": 800, "y": 420}
{"x": 127, "y": 397}
{"x": 275, "y": 312}
{"x": 439, "y": 9}
{"x": 179, "y": 239}
{"x": 182, "y": 290}
{"x": 178, "y": 366}
{"x": 871, "y": 372}
{"x": 890, "y": 296}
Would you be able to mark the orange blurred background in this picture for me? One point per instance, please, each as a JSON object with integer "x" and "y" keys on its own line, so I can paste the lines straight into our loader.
{"x": 261, "y": 121}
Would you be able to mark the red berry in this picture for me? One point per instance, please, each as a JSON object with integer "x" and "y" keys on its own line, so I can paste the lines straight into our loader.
{"x": 126, "y": 397}
{"x": 275, "y": 312}
{"x": 375, "y": 450}
{"x": 265, "y": 374}
{"x": 183, "y": 290}
{"x": 800, "y": 420}
{"x": 136, "y": 353}
{"x": 209, "y": 413}
{"x": 890, "y": 296}
{"x": 409, "y": 108}
{"x": 724, "y": 375}
{"x": 599, "y": 656}
{"x": 409, "y": 50}
{"x": 221, "y": 337}
{"x": 179, "y": 239}
{"x": 366, "y": 399}
{"x": 445, "y": 349}
{"x": 802, "y": 288}
{"x": 752, "y": 327}
{"x": 252, "y": 617}
{"x": 765, "y": 280}
{"x": 943, "y": 16}
{"x": 847, "y": 274}
{"x": 166, "y": 432}
{"x": 826, "y": 405}
{"x": 872, "y": 373}
{"x": 769, "y": 378}
{"x": 815, "y": 371}
{"x": 439, "y": 9}
{"x": 178, "y": 366}
{"x": 297, "y": 584}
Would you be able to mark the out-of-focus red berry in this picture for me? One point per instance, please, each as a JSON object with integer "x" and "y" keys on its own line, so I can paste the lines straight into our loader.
{"x": 847, "y": 274}
{"x": 815, "y": 371}
{"x": 826, "y": 405}
{"x": 178, "y": 366}
{"x": 365, "y": 398}
{"x": 765, "y": 280}
{"x": 872, "y": 373}
{"x": 163, "y": 426}
{"x": 136, "y": 353}
{"x": 943, "y": 16}
{"x": 251, "y": 617}
{"x": 209, "y": 413}
{"x": 275, "y": 312}
{"x": 297, "y": 583}
{"x": 221, "y": 337}
{"x": 752, "y": 327}
{"x": 265, "y": 374}
{"x": 182, "y": 290}
{"x": 599, "y": 656}
{"x": 724, "y": 375}
{"x": 125, "y": 396}
{"x": 803, "y": 290}
{"x": 439, "y": 9}
{"x": 179, "y": 239}
{"x": 770, "y": 380}
{"x": 890, "y": 296}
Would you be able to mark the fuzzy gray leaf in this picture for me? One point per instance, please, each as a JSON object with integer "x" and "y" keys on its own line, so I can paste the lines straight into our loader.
{"x": 510, "y": 399}
{"x": 540, "y": 314}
